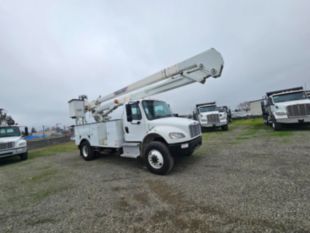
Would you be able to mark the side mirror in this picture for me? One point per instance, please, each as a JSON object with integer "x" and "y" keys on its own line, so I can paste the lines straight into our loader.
{"x": 26, "y": 132}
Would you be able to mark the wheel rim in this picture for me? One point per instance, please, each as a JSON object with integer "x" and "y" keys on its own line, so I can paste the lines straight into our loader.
{"x": 85, "y": 151}
{"x": 156, "y": 159}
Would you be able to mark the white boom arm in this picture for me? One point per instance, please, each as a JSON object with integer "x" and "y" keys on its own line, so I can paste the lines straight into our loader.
{"x": 196, "y": 69}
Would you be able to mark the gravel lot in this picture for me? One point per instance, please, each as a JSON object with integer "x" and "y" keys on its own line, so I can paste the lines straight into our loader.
{"x": 249, "y": 179}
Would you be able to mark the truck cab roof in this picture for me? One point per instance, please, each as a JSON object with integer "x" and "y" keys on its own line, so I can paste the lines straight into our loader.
{"x": 206, "y": 104}
{"x": 286, "y": 92}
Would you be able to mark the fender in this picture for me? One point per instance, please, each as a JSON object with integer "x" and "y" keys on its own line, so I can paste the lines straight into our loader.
{"x": 82, "y": 140}
{"x": 163, "y": 132}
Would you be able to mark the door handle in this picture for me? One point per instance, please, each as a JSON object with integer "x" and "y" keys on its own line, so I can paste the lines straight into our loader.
{"x": 126, "y": 129}
{"x": 136, "y": 123}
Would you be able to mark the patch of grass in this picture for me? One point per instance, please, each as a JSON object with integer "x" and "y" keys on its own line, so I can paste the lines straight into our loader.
{"x": 281, "y": 133}
{"x": 38, "y": 196}
{"x": 256, "y": 123}
{"x": 252, "y": 128}
{"x": 51, "y": 150}
{"x": 43, "y": 176}
{"x": 41, "y": 220}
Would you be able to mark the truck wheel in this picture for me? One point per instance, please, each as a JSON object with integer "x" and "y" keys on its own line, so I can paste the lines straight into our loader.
{"x": 276, "y": 126}
{"x": 24, "y": 156}
{"x": 86, "y": 151}
{"x": 225, "y": 127}
{"x": 189, "y": 153}
{"x": 158, "y": 158}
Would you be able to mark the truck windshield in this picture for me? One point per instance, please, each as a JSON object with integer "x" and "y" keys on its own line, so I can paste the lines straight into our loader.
{"x": 207, "y": 108}
{"x": 155, "y": 109}
{"x": 289, "y": 97}
{"x": 220, "y": 109}
{"x": 9, "y": 132}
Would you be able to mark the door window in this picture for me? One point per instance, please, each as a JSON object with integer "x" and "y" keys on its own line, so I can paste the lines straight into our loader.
{"x": 133, "y": 112}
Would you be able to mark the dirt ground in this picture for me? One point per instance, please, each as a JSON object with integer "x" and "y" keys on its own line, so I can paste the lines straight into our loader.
{"x": 248, "y": 179}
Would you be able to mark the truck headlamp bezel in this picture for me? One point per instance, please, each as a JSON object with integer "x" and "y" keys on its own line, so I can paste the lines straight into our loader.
{"x": 281, "y": 113}
{"x": 21, "y": 144}
{"x": 176, "y": 135}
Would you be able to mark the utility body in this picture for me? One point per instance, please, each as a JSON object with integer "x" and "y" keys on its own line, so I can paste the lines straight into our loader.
{"x": 11, "y": 140}
{"x": 147, "y": 128}
{"x": 288, "y": 106}
{"x": 211, "y": 116}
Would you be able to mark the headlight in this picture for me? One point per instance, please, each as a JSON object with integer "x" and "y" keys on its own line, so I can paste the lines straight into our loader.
{"x": 176, "y": 135}
{"x": 280, "y": 113}
{"x": 21, "y": 144}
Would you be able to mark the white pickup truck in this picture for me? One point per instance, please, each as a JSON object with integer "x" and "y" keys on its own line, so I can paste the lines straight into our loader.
{"x": 12, "y": 142}
{"x": 283, "y": 107}
{"x": 210, "y": 116}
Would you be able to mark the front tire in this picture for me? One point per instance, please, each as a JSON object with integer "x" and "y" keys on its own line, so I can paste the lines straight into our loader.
{"x": 225, "y": 127}
{"x": 24, "y": 156}
{"x": 158, "y": 158}
{"x": 86, "y": 151}
{"x": 189, "y": 153}
{"x": 276, "y": 126}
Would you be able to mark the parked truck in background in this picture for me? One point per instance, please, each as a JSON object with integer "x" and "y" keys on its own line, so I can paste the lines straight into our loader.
{"x": 288, "y": 106}
{"x": 228, "y": 112}
{"x": 11, "y": 138}
{"x": 211, "y": 116}
{"x": 147, "y": 128}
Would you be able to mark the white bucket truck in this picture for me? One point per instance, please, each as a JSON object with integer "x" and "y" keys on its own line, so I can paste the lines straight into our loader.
{"x": 147, "y": 128}
{"x": 283, "y": 107}
{"x": 211, "y": 116}
{"x": 11, "y": 140}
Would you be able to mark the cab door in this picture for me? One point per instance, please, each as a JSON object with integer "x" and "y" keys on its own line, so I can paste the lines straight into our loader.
{"x": 134, "y": 123}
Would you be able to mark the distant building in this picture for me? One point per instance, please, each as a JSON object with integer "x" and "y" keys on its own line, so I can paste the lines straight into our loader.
{"x": 248, "y": 109}
{"x": 255, "y": 108}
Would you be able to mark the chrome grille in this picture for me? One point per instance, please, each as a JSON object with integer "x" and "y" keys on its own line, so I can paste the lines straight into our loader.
{"x": 213, "y": 118}
{"x": 6, "y": 145}
{"x": 194, "y": 130}
{"x": 298, "y": 110}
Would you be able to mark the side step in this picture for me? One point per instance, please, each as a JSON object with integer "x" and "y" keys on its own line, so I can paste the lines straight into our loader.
{"x": 131, "y": 150}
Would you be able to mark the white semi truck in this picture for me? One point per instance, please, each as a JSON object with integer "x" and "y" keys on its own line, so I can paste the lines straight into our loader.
{"x": 147, "y": 128}
{"x": 11, "y": 140}
{"x": 211, "y": 116}
{"x": 289, "y": 106}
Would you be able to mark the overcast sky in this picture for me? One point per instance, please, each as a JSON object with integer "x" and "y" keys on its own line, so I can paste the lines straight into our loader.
{"x": 54, "y": 50}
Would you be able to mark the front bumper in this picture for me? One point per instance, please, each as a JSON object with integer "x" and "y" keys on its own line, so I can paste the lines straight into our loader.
{"x": 211, "y": 125}
{"x": 294, "y": 120}
{"x": 12, "y": 152}
{"x": 185, "y": 147}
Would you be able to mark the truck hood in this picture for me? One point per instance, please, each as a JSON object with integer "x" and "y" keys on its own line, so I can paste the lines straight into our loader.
{"x": 9, "y": 139}
{"x": 172, "y": 121}
{"x": 288, "y": 103}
